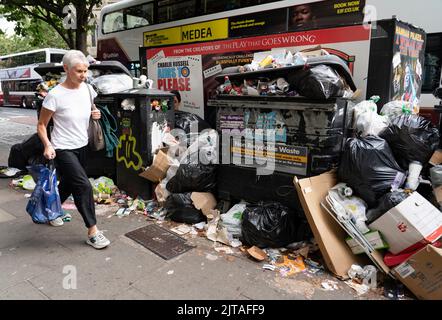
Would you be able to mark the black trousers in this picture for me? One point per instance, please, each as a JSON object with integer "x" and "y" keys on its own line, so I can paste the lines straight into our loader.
{"x": 70, "y": 165}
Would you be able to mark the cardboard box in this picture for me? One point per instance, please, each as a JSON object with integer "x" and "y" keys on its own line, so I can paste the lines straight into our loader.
{"x": 204, "y": 201}
{"x": 393, "y": 260}
{"x": 436, "y": 158}
{"x": 438, "y": 194}
{"x": 375, "y": 239}
{"x": 157, "y": 171}
{"x": 313, "y": 52}
{"x": 328, "y": 233}
{"x": 413, "y": 221}
{"x": 422, "y": 273}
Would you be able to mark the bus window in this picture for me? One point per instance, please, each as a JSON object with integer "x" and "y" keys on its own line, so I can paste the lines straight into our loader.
{"x": 139, "y": 16}
{"x": 213, "y": 6}
{"x": 22, "y": 60}
{"x": 23, "y": 86}
{"x": 129, "y": 18}
{"x": 56, "y": 57}
{"x": 113, "y": 22}
{"x": 170, "y": 10}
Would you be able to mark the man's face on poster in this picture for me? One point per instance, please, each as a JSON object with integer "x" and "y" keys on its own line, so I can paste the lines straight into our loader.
{"x": 301, "y": 15}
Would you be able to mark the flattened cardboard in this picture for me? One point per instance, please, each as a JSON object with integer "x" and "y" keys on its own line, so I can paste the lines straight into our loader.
{"x": 204, "y": 201}
{"x": 375, "y": 239}
{"x": 157, "y": 171}
{"x": 327, "y": 232}
{"x": 422, "y": 273}
{"x": 313, "y": 52}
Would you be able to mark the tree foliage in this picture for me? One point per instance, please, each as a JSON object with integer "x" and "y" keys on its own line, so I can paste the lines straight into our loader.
{"x": 35, "y": 34}
{"x": 53, "y": 13}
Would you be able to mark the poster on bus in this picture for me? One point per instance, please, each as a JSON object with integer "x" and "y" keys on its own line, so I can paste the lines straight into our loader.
{"x": 183, "y": 74}
{"x": 323, "y": 14}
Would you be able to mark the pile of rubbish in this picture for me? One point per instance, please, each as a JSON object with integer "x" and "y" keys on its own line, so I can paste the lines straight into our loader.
{"x": 104, "y": 80}
{"x": 388, "y": 197}
{"x": 184, "y": 172}
{"x": 107, "y": 193}
{"x": 312, "y": 73}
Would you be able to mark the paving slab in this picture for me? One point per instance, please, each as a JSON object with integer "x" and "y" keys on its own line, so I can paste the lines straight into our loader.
{"x": 101, "y": 274}
{"x": 4, "y": 216}
{"x": 22, "y": 291}
{"x": 131, "y": 293}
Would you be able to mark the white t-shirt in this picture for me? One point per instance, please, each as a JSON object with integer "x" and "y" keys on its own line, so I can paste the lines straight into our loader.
{"x": 72, "y": 110}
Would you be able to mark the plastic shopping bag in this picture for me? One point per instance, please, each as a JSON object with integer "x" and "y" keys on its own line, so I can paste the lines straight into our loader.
{"x": 44, "y": 204}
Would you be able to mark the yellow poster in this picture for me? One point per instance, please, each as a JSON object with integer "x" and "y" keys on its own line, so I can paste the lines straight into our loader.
{"x": 197, "y": 32}
{"x": 162, "y": 37}
{"x": 206, "y": 31}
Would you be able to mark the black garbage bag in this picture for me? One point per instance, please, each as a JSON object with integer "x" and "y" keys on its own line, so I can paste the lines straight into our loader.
{"x": 187, "y": 121}
{"x": 180, "y": 208}
{"x": 368, "y": 166}
{"x": 411, "y": 138}
{"x": 386, "y": 202}
{"x": 193, "y": 177}
{"x": 319, "y": 82}
{"x": 268, "y": 224}
{"x": 16, "y": 158}
{"x": 20, "y": 153}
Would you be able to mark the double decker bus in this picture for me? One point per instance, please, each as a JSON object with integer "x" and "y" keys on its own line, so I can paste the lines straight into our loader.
{"x": 122, "y": 24}
{"x": 128, "y": 29}
{"x": 18, "y": 80}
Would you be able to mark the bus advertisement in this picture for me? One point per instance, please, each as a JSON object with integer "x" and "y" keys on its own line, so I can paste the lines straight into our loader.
{"x": 191, "y": 69}
{"x": 180, "y": 58}
{"x": 200, "y": 44}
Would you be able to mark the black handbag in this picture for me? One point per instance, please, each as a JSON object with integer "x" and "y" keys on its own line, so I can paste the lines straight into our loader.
{"x": 95, "y": 132}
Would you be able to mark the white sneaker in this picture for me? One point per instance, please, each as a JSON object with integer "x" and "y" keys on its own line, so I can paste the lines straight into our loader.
{"x": 56, "y": 222}
{"x": 98, "y": 240}
{"x": 66, "y": 217}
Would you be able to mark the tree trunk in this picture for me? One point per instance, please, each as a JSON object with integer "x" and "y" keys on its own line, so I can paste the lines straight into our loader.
{"x": 81, "y": 32}
{"x": 80, "y": 40}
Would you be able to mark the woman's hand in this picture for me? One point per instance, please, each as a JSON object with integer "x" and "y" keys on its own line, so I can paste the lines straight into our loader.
{"x": 49, "y": 152}
{"x": 96, "y": 114}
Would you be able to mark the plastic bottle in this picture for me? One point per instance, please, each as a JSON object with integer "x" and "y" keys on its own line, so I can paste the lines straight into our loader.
{"x": 370, "y": 276}
{"x": 414, "y": 170}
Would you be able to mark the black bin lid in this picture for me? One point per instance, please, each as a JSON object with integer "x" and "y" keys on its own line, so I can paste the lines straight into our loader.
{"x": 113, "y": 66}
{"x": 142, "y": 92}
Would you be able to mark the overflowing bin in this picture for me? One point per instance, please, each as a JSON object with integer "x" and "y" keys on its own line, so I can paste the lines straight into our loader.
{"x": 143, "y": 115}
{"x": 309, "y": 136}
